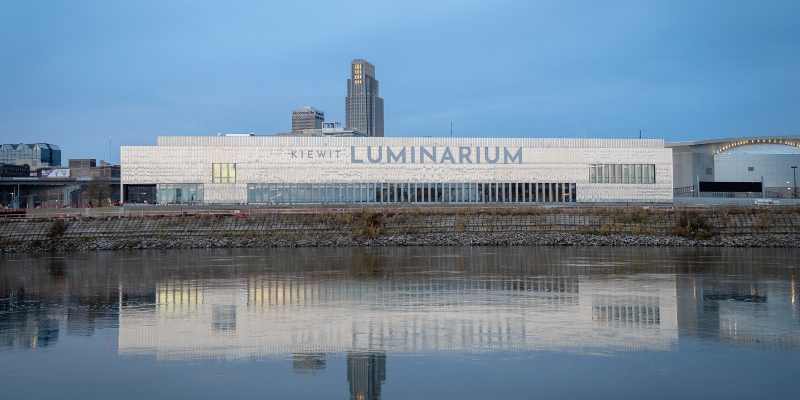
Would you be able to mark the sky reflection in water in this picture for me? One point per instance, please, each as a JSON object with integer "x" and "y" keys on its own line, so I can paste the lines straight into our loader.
{"x": 401, "y": 322}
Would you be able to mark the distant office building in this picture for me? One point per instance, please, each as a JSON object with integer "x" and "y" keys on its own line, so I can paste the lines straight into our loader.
{"x": 82, "y": 168}
{"x": 106, "y": 170}
{"x": 363, "y": 107}
{"x": 329, "y": 129}
{"x": 32, "y": 154}
{"x": 307, "y": 118}
{"x": 91, "y": 168}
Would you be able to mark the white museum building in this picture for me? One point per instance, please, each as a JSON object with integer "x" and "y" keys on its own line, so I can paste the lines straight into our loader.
{"x": 250, "y": 169}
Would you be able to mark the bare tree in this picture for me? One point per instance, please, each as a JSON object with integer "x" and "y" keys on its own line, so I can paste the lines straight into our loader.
{"x": 100, "y": 190}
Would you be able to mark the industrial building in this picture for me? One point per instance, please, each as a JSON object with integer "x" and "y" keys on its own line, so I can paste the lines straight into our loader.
{"x": 57, "y": 186}
{"x": 734, "y": 167}
{"x": 337, "y": 170}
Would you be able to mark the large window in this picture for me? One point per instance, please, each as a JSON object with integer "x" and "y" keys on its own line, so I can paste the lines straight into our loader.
{"x": 141, "y": 194}
{"x": 430, "y": 192}
{"x": 622, "y": 173}
{"x": 179, "y": 193}
{"x": 224, "y": 173}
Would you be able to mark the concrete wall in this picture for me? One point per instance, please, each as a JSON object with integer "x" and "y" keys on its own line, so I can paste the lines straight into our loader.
{"x": 687, "y": 164}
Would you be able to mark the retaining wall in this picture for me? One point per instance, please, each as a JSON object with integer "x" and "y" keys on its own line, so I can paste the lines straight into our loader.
{"x": 749, "y": 222}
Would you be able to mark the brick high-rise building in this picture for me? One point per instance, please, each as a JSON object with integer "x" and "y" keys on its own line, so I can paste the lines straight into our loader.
{"x": 363, "y": 107}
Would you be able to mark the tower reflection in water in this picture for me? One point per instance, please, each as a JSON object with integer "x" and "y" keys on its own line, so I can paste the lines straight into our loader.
{"x": 366, "y": 371}
{"x": 312, "y": 306}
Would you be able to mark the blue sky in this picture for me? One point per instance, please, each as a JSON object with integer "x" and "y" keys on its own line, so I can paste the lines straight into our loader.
{"x": 76, "y": 73}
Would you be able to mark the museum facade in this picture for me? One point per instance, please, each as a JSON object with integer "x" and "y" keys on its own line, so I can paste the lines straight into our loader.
{"x": 399, "y": 170}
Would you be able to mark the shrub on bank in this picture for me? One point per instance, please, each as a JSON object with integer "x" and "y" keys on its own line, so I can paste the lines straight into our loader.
{"x": 693, "y": 225}
{"x": 58, "y": 227}
{"x": 366, "y": 224}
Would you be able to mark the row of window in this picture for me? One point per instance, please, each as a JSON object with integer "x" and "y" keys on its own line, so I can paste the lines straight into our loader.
{"x": 598, "y": 173}
{"x": 176, "y": 193}
{"x": 292, "y": 193}
{"x": 622, "y": 173}
{"x": 224, "y": 173}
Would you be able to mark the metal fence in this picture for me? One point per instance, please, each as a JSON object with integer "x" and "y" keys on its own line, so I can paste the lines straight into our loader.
{"x": 691, "y": 191}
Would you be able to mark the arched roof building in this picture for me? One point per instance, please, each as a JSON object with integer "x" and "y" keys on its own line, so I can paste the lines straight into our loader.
{"x": 747, "y": 159}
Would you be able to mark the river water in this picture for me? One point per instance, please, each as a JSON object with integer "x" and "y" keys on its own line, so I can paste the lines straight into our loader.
{"x": 401, "y": 323}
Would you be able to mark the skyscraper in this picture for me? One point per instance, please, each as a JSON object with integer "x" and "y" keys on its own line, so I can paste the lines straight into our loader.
{"x": 307, "y": 118}
{"x": 363, "y": 107}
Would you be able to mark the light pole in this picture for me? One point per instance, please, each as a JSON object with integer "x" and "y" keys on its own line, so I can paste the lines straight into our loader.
{"x": 794, "y": 174}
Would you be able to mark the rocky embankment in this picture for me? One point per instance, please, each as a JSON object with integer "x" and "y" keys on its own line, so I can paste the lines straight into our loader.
{"x": 726, "y": 227}
{"x": 449, "y": 239}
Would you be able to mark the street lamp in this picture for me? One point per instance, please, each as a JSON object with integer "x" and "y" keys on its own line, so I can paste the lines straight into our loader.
{"x": 794, "y": 173}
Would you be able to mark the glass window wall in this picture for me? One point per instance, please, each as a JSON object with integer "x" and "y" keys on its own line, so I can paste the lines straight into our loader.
{"x": 447, "y": 192}
{"x": 622, "y": 173}
{"x": 179, "y": 193}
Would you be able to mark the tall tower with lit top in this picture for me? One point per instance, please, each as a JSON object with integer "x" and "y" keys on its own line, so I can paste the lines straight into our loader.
{"x": 363, "y": 107}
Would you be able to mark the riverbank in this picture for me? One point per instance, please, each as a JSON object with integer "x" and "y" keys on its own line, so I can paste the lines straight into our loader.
{"x": 494, "y": 239}
{"x": 734, "y": 227}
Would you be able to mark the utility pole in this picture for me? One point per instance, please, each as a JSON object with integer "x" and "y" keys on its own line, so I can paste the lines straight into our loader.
{"x": 794, "y": 173}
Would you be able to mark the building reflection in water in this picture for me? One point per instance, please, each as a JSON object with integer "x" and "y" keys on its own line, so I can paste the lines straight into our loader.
{"x": 28, "y": 330}
{"x": 310, "y": 305}
{"x": 276, "y": 315}
{"x": 738, "y": 311}
{"x": 41, "y": 295}
{"x": 366, "y": 371}
{"x": 627, "y": 310}
{"x": 303, "y": 363}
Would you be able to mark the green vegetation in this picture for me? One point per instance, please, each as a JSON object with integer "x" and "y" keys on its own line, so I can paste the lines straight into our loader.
{"x": 693, "y": 225}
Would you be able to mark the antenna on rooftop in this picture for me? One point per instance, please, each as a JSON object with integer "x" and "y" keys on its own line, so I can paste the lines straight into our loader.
{"x": 451, "y": 128}
{"x": 109, "y": 150}
{"x": 640, "y": 133}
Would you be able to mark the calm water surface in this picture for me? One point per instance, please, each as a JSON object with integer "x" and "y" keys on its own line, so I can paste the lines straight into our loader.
{"x": 402, "y": 323}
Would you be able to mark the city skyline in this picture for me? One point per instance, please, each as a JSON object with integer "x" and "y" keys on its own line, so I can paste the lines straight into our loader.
{"x": 77, "y": 73}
